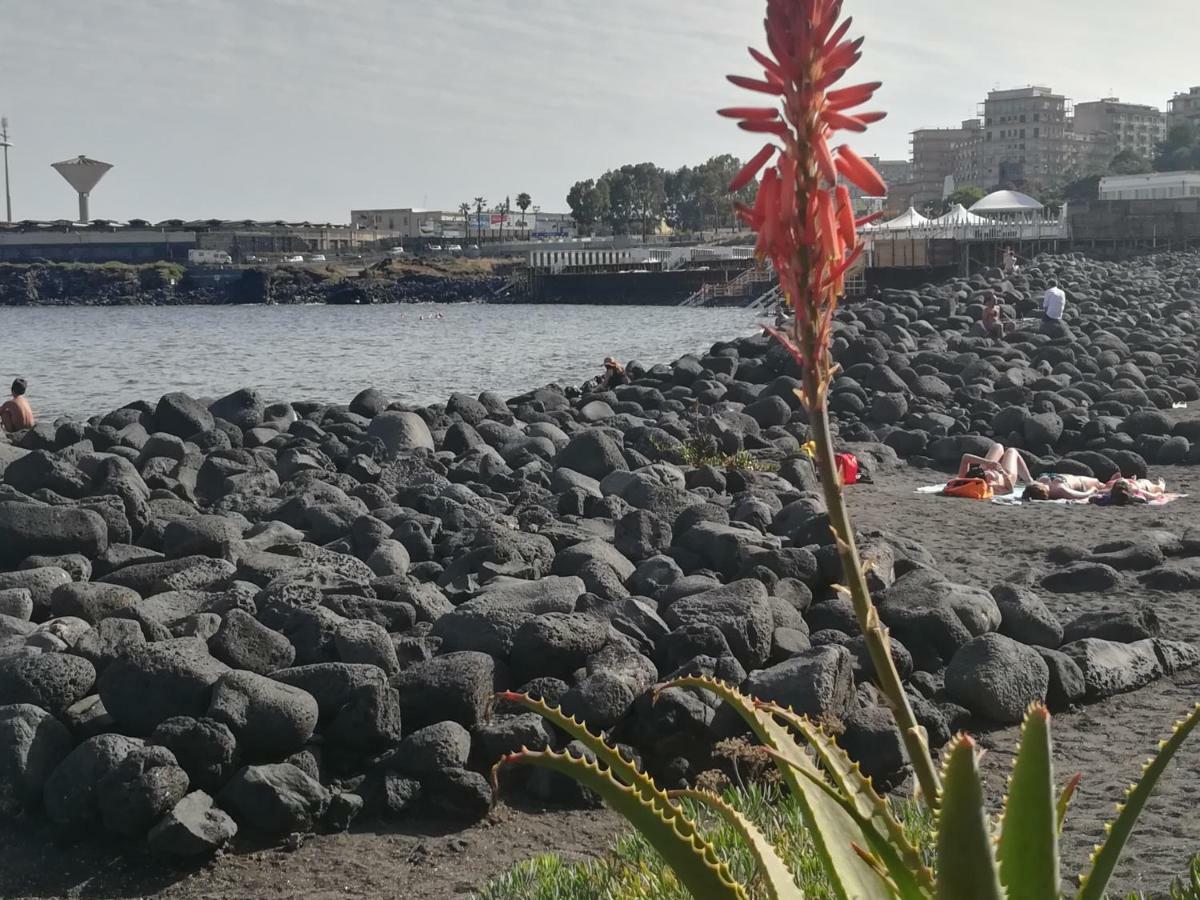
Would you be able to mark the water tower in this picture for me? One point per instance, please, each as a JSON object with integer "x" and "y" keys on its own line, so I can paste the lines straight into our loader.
{"x": 82, "y": 174}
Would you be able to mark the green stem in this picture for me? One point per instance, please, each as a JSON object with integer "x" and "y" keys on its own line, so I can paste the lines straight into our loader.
{"x": 915, "y": 740}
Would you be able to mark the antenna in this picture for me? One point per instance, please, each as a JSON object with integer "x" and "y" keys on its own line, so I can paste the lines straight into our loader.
{"x": 82, "y": 174}
{"x": 4, "y": 142}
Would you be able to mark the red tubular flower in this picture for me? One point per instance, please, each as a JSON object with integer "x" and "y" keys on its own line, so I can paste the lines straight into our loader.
{"x": 805, "y": 223}
{"x": 804, "y": 218}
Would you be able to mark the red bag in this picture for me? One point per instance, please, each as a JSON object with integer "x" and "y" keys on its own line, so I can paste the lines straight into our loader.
{"x": 847, "y": 464}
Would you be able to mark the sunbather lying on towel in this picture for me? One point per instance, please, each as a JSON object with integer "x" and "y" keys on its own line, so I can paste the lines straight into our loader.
{"x": 1002, "y": 468}
{"x": 1129, "y": 491}
{"x": 1056, "y": 486}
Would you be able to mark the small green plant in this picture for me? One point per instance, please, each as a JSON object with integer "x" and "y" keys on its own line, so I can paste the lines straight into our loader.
{"x": 863, "y": 849}
{"x": 702, "y": 450}
{"x": 631, "y": 869}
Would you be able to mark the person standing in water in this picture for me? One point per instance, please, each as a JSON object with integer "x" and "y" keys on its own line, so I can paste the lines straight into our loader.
{"x": 16, "y": 414}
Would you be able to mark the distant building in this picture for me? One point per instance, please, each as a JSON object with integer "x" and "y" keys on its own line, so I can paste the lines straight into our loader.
{"x": 1153, "y": 186}
{"x": 435, "y": 223}
{"x": 1089, "y": 154}
{"x": 934, "y": 154}
{"x": 967, "y": 169}
{"x": 410, "y": 222}
{"x": 1130, "y": 126}
{"x": 1027, "y": 138}
{"x": 138, "y": 241}
{"x": 1184, "y": 107}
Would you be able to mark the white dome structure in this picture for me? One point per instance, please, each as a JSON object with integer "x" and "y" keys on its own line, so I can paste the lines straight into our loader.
{"x": 1006, "y": 204}
{"x": 959, "y": 215}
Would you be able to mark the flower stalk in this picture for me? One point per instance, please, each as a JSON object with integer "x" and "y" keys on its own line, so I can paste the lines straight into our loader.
{"x": 805, "y": 223}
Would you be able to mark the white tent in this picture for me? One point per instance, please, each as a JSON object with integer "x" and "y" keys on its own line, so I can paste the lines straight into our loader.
{"x": 959, "y": 215}
{"x": 1006, "y": 203}
{"x": 910, "y": 218}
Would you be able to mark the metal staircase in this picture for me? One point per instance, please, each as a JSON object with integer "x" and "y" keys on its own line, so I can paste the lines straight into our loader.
{"x": 740, "y": 286}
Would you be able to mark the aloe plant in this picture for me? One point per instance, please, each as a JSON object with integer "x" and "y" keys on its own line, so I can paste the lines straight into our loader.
{"x": 858, "y": 839}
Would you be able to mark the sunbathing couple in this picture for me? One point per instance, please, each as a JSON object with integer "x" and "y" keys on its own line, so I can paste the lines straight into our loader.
{"x": 1003, "y": 469}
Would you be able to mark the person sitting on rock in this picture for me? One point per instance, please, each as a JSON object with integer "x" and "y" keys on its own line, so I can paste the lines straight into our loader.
{"x": 1002, "y": 468}
{"x": 16, "y": 414}
{"x": 614, "y": 375}
{"x": 1054, "y": 301}
{"x": 992, "y": 319}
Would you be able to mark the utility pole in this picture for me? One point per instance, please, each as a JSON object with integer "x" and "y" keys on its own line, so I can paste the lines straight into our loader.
{"x": 5, "y": 144}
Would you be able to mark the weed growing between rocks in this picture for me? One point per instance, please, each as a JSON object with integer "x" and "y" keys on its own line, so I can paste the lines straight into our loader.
{"x": 703, "y": 450}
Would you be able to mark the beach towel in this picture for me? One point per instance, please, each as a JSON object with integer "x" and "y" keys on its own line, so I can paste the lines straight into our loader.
{"x": 1014, "y": 498}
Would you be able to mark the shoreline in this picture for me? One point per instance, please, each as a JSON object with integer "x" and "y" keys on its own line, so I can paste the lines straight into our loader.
{"x": 371, "y": 573}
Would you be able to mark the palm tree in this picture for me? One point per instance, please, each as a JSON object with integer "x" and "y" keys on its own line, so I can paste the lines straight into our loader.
{"x": 465, "y": 209}
{"x": 479, "y": 202}
{"x": 524, "y": 201}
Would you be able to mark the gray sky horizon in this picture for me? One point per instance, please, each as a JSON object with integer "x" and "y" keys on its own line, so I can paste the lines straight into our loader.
{"x": 284, "y": 109}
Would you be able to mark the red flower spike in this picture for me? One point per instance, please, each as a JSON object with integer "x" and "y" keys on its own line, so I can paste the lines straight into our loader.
{"x": 753, "y": 84}
{"x": 749, "y": 112}
{"x": 837, "y": 120}
{"x": 779, "y": 128}
{"x": 766, "y": 62}
{"x": 832, "y": 40}
{"x": 847, "y": 97}
{"x": 830, "y": 78}
{"x": 787, "y": 193}
{"x": 825, "y": 160}
{"x": 845, "y": 214}
{"x": 751, "y": 169}
{"x": 860, "y": 172}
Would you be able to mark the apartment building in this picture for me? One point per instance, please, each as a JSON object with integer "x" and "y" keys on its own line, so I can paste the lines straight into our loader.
{"x": 1131, "y": 126}
{"x": 935, "y": 153}
{"x": 1184, "y": 107}
{"x": 1026, "y": 137}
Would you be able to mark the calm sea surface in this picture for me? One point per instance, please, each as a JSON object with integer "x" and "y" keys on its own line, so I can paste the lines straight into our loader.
{"x": 82, "y": 361}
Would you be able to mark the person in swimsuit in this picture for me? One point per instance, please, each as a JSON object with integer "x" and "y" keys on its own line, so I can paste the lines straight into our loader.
{"x": 16, "y": 414}
{"x": 1002, "y": 468}
{"x": 1056, "y": 486}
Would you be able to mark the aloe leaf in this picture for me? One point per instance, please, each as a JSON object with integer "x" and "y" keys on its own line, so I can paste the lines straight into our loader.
{"x": 834, "y": 831}
{"x": 1104, "y": 860}
{"x": 871, "y": 810}
{"x": 1028, "y": 848}
{"x": 778, "y": 880}
{"x": 692, "y": 859}
{"x": 622, "y": 768}
{"x": 1064, "y": 798}
{"x": 883, "y": 857}
{"x": 966, "y": 866}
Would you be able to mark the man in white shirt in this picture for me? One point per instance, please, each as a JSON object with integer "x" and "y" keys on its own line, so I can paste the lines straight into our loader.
{"x": 1053, "y": 303}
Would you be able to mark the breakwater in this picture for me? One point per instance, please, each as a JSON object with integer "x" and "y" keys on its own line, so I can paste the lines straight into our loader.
{"x": 168, "y": 284}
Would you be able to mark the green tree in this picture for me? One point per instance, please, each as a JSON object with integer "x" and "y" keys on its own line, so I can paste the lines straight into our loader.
{"x": 589, "y": 203}
{"x": 465, "y": 209}
{"x": 1180, "y": 151}
{"x": 1085, "y": 188}
{"x": 1128, "y": 162}
{"x": 479, "y": 204}
{"x": 647, "y": 194}
{"x": 524, "y": 201}
{"x": 967, "y": 196}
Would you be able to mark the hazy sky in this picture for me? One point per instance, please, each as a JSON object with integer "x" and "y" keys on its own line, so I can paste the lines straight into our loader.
{"x": 300, "y": 109}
